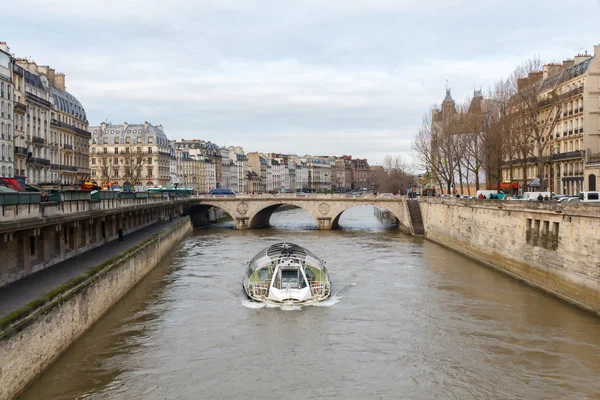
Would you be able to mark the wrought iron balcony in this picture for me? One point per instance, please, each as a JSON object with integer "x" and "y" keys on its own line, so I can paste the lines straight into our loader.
{"x": 38, "y": 140}
{"x": 67, "y": 168}
{"x": 71, "y": 128}
{"x": 35, "y": 98}
{"x": 20, "y": 107}
{"x": 38, "y": 161}
{"x": 569, "y": 154}
{"x": 54, "y": 167}
{"x": 20, "y": 150}
{"x": 68, "y": 146}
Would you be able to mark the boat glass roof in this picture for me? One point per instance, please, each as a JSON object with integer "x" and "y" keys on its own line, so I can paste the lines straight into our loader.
{"x": 285, "y": 250}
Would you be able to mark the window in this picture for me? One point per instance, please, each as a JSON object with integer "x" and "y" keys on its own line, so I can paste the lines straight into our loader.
{"x": 93, "y": 161}
{"x": 116, "y": 173}
{"x": 592, "y": 196}
{"x": 150, "y": 139}
{"x": 116, "y": 161}
{"x": 127, "y": 140}
{"x": 116, "y": 150}
{"x": 139, "y": 149}
{"x": 149, "y": 150}
{"x": 116, "y": 140}
{"x": 139, "y": 139}
{"x": 149, "y": 160}
{"x": 105, "y": 140}
{"x": 105, "y": 150}
{"x": 149, "y": 172}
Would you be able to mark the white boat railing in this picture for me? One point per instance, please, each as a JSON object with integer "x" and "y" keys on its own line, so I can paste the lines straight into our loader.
{"x": 320, "y": 288}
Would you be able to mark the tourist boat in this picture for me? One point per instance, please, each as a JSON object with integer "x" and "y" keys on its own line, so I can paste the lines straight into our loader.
{"x": 286, "y": 273}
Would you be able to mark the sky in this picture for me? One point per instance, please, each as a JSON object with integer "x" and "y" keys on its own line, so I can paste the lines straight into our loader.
{"x": 320, "y": 77}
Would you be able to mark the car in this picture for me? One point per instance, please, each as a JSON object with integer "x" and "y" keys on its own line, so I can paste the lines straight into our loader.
{"x": 222, "y": 192}
{"x": 386, "y": 195}
{"x": 558, "y": 197}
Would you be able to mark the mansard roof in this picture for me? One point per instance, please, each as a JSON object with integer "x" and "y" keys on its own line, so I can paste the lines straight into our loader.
{"x": 68, "y": 103}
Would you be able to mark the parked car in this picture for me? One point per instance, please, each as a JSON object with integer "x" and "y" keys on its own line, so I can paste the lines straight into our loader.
{"x": 221, "y": 191}
{"x": 589, "y": 197}
{"x": 558, "y": 197}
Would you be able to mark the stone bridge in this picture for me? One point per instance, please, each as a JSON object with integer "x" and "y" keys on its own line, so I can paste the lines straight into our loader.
{"x": 254, "y": 211}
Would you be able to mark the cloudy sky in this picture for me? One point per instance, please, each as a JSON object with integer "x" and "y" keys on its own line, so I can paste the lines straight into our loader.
{"x": 311, "y": 76}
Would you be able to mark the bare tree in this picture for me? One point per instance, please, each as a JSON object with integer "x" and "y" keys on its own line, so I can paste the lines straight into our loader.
{"x": 134, "y": 163}
{"x": 538, "y": 108}
{"x": 434, "y": 150}
{"x": 105, "y": 168}
{"x": 395, "y": 176}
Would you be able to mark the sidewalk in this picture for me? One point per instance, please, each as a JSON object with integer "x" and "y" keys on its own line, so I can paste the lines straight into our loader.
{"x": 19, "y": 293}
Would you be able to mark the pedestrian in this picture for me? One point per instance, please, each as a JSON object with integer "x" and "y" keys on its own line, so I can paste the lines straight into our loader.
{"x": 540, "y": 197}
{"x": 547, "y": 198}
{"x": 120, "y": 235}
{"x": 170, "y": 218}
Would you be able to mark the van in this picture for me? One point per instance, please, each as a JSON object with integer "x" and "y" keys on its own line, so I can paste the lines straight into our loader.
{"x": 533, "y": 196}
{"x": 589, "y": 197}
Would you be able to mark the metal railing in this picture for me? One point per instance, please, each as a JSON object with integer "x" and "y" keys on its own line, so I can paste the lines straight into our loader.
{"x": 37, "y": 161}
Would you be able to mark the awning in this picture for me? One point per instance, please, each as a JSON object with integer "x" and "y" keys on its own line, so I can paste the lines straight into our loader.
{"x": 534, "y": 182}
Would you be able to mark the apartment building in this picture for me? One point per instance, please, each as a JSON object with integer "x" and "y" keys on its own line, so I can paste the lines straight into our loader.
{"x": 130, "y": 155}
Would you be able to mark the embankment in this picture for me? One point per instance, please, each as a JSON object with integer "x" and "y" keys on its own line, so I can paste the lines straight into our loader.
{"x": 33, "y": 337}
{"x": 550, "y": 246}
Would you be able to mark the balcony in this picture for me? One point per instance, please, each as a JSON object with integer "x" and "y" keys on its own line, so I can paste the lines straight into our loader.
{"x": 576, "y": 130}
{"x": 71, "y": 128}
{"x": 20, "y": 150}
{"x": 20, "y": 107}
{"x": 54, "y": 167}
{"x": 570, "y": 112}
{"x": 19, "y": 173}
{"x": 68, "y": 147}
{"x": 577, "y": 173}
{"x": 38, "y": 161}
{"x": 580, "y": 109}
{"x": 37, "y": 99}
{"x": 570, "y": 131}
{"x": 38, "y": 140}
{"x": 580, "y": 130}
{"x": 593, "y": 158}
{"x": 68, "y": 168}
{"x": 569, "y": 154}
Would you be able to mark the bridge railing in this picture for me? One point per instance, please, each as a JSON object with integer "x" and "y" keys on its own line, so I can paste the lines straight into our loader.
{"x": 296, "y": 196}
{"x": 17, "y": 212}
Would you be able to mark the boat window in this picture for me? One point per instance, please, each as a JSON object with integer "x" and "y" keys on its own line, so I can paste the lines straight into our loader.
{"x": 290, "y": 278}
{"x": 263, "y": 274}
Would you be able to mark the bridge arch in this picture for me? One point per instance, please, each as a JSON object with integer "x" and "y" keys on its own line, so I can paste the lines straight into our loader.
{"x": 202, "y": 214}
{"x": 262, "y": 217}
{"x": 335, "y": 222}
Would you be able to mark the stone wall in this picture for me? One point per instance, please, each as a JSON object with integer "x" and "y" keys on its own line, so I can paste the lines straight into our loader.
{"x": 547, "y": 245}
{"x": 32, "y": 338}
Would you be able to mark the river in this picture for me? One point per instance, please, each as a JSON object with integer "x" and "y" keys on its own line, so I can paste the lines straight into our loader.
{"x": 409, "y": 320}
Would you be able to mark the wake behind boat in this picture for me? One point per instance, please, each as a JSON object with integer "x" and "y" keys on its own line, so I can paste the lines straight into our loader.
{"x": 286, "y": 273}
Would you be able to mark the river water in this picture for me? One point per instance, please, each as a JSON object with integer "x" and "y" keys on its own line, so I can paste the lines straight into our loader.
{"x": 409, "y": 320}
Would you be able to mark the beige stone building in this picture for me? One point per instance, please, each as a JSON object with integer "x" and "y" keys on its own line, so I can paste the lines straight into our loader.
{"x": 572, "y": 154}
{"x": 51, "y": 141}
{"x": 6, "y": 113}
{"x": 130, "y": 155}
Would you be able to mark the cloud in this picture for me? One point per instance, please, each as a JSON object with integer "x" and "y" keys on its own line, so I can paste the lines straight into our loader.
{"x": 320, "y": 77}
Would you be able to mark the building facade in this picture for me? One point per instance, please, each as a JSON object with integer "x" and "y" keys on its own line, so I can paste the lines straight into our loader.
{"x": 7, "y": 165}
{"x": 130, "y": 155}
{"x": 571, "y": 157}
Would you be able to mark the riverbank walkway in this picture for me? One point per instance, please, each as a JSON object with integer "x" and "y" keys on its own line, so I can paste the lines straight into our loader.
{"x": 20, "y": 293}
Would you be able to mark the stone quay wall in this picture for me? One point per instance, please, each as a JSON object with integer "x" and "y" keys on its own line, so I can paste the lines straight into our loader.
{"x": 33, "y": 337}
{"x": 550, "y": 246}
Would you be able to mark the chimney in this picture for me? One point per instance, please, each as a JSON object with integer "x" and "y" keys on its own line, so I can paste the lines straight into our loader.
{"x": 568, "y": 63}
{"x": 579, "y": 58}
{"x": 146, "y": 125}
{"x": 535, "y": 76}
{"x": 522, "y": 83}
{"x": 102, "y": 126}
{"x": 51, "y": 76}
{"x": 4, "y": 47}
{"x": 125, "y": 125}
{"x": 59, "y": 80}
{"x": 159, "y": 127}
{"x": 551, "y": 70}
{"x": 597, "y": 50}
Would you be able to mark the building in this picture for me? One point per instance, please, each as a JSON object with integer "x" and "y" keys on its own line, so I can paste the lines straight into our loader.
{"x": 130, "y": 154}
{"x": 319, "y": 173}
{"x": 258, "y": 164}
{"x": 254, "y": 183}
{"x": 225, "y": 169}
{"x": 571, "y": 157}
{"x": 238, "y": 168}
{"x": 7, "y": 166}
